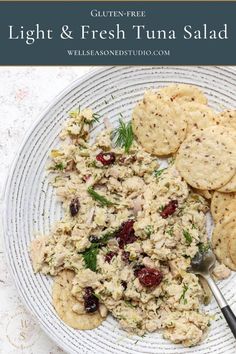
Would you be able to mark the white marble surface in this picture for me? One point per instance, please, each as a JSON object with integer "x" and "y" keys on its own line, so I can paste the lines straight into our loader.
{"x": 24, "y": 93}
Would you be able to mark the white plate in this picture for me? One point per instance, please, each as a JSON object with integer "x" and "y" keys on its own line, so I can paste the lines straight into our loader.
{"x": 31, "y": 206}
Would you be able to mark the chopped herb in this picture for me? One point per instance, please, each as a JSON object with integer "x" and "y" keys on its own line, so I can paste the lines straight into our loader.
{"x": 90, "y": 254}
{"x": 203, "y": 247}
{"x": 93, "y": 164}
{"x": 170, "y": 231}
{"x": 161, "y": 208}
{"x": 182, "y": 297}
{"x": 123, "y": 135}
{"x": 149, "y": 230}
{"x": 194, "y": 226}
{"x": 98, "y": 296}
{"x": 90, "y": 257}
{"x": 96, "y": 118}
{"x": 59, "y": 166}
{"x": 157, "y": 173}
{"x": 128, "y": 303}
{"x": 99, "y": 198}
{"x": 187, "y": 236}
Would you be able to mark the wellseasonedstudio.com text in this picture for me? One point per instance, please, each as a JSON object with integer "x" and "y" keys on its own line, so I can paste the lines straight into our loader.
{"x": 116, "y": 32}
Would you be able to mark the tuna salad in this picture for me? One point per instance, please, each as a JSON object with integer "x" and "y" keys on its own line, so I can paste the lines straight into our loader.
{"x": 129, "y": 231}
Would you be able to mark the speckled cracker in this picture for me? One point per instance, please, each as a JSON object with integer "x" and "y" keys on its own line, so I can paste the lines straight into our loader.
{"x": 198, "y": 116}
{"x": 222, "y": 204}
{"x": 207, "y": 158}
{"x": 227, "y": 118}
{"x": 184, "y": 93}
{"x": 230, "y": 186}
{"x": 232, "y": 246}
{"x": 64, "y": 301}
{"x": 158, "y": 124}
{"x": 223, "y": 233}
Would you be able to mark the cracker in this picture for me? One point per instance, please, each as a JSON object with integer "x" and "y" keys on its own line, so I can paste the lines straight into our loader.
{"x": 222, "y": 204}
{"x": 184, "y": 93}
{"x": 198, "y": 116}
{"x": 158, "y": 124}
{"x": 230, "y": 186}
{"x": 227, "y": 118}
{"x": 207, "y": 158}
{"x": 225, "y": 230}
{"x": 232, "y": 247}
{"x": 63, "y": 302}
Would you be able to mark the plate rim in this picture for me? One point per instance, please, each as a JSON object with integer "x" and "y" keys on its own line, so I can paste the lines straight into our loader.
{"x": 6, "y": 185}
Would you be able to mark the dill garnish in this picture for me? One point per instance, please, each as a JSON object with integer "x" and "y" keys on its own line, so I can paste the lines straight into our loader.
{"x": 187, "y": 236}
{"x": 170, "y": 231}
{"x": 129, "y": 304}
{"x": 123, "y": 135}
{"x": 182, "y": 297}
{"x": 96, "y": 118}
{"x": 90, "y": 254}
{"x": 99, "y": 198}
{"x": 149, "y": 230}
{"x": 90, "y": 257}
{"x": 59, "y": 166}
{"x": 157, "y": 173}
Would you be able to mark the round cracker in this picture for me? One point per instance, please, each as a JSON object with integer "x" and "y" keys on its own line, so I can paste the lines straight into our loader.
{"x": 198, "y": 116}
{"x": 222, "y": 204}
{"x": 230, "y": 186}
{"x": 207, "y": 158}
{"x": 232, "y": 247}
{"x": 225, "y": 229}
{"x": 63, "y": 302}
{"x": 158, "y": 124}
{"x": 227, "y": 118}
{"x": 184, "y": 93}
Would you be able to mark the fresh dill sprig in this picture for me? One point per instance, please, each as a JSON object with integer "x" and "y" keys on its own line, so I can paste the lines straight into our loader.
{"x": 90, "y": 254}
{"x": 59, "y": 166}
{"x": 90, "y": 257}
{"x": 129, "y": 304}
{"x": 182, "y": 297}
{"x": 149, "y": 230}
{"x": 157, "y": 173}
{"x": 99, "y": 198}
{"x": 170, "y": 231}
{"x": 187, "y": 236}
{"x": 123, "y": 135}
{"x": 96, "y": 118}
